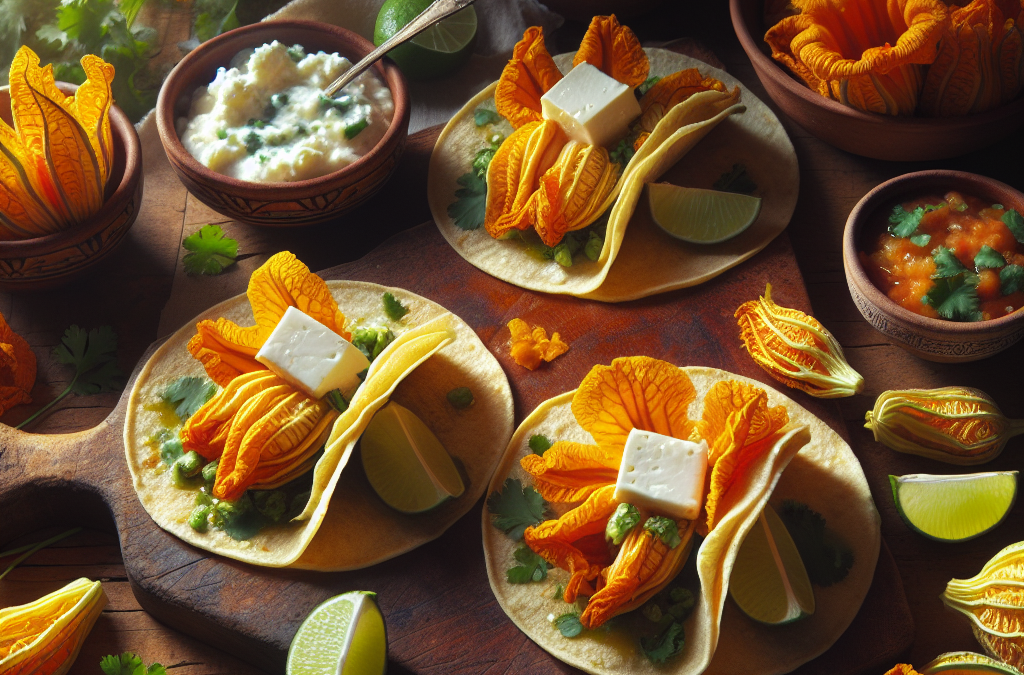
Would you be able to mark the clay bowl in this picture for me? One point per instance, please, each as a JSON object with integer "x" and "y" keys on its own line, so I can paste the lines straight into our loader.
{"x": 869, "y": 135}
{"x": 46, "y": 262}
{"x": 305, "y": 202}
{"x": 931, "y": 339}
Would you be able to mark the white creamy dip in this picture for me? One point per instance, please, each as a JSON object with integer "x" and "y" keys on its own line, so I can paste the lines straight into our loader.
{"x": 264, "y": 119}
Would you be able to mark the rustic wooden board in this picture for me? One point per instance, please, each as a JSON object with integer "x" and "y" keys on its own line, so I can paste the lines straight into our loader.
{"x": 441, "y": 615}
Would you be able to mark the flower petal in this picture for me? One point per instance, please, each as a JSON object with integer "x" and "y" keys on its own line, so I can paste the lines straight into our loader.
{"x": 206, "y": 430}
{"x": 723, "y": 403}
{"x": 530, "y": 347}
{"x": 573, "y": 191}
{"x": 614, "y": 49}
{"x": 634, "y": 392}
{"x": 226, "y": 349}
{"x": 528, "y": 75}
{"x": 571, "y": 472}
{"x": 239, "y": 459}
{"x": 514, "y": 172}
{"x": 17, "y": 368}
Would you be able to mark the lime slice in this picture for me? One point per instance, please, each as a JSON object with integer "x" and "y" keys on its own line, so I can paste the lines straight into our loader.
{"x": 967, "y": 663}
{"x": 342, "y": 636}
{"x": 769, "y": 581}
{"x": 406, "y": 464}
{"x": 701, "y": 216}
{"x": 436, "y": 51}
{"x": 954, "y": 508}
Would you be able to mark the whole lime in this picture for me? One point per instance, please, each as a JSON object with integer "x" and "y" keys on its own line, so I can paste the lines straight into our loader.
{"x": 437, "y": 51}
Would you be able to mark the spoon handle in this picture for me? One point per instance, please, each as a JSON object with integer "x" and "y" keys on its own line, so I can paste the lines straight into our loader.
{"x": 437, "y": 10}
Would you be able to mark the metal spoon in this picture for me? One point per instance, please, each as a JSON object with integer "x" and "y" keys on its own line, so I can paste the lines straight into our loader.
{"x": 438, "y": 10}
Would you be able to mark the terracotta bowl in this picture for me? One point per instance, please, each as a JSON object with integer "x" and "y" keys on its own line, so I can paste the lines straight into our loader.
{"x": 931, "y": 339}
{"x": 866, "y": 134}
{"x": 46, "y": 262}
{"x": 303, "y": 202}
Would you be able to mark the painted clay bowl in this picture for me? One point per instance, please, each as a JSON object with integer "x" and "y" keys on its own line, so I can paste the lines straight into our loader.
{"x": 304, "y": 202}
{"x": 928, "y": 338}
{"x": 46, "y": 262}
{"x": 869, "y": 135}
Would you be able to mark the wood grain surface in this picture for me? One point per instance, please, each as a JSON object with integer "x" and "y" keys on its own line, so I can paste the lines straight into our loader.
{"x": 141, "y": 291}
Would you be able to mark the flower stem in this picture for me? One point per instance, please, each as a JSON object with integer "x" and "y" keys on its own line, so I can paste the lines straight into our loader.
{"x": 47, "y": 406}
{"x": 33, "y": 548}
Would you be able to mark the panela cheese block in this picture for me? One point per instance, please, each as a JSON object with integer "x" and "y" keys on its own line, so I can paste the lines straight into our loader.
{"x": 591, "y": 107}
{"x": 312, "y": 357}
{"x": 663, "y": 474}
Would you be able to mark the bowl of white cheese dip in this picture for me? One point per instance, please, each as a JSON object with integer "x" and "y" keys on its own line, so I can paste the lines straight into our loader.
{"x": 248, "y": 131}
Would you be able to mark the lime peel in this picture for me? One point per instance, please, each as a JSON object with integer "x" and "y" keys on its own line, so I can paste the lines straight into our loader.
{"x": 345, "y": 635}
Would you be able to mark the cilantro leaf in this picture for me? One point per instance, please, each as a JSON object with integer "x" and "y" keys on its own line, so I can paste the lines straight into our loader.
{"x": 211, "y": 251}
{"x": 94, "y": 356}
{"x": 514, "y": 508}
{"x": 955, "y": 298}
{"x": 946, "y": 263}
{"x": 215, "y": 17}
{"x": 531, "y": 567}
{"x": 1015, "y": 222}
{"x": 646, "y": 85}
{"x": 827, "y": 559}
{"x": 539, "y": 444}
{"x": 471, "y": 201}
{"x": 483, "y": 117}
{"x": 393, "y": 307}
{"x": 1011, "y": 279}
{"x": 188, "y": 394}
{"x": 482, "y": 158}
{"x": 903, "y": 223}
{"x": 736, "y": 180}
{"x": 664, "y": 646}
{"x": 665, "y": 528}
{"x": 129, "y": 664}
{"x": 920, "y": 239}
{"x": 623, "y": 151}
{"x": 569, "y": 625}
{"x": 988, "y": 258}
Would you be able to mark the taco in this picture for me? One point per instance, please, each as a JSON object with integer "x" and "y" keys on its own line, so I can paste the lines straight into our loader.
{"x": 753, "y": 434}
{"x": 737, "y": 130}
{"x": 299, "y": 507}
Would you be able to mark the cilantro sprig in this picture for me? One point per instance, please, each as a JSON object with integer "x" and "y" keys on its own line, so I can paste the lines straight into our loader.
{"x": 946, "y": 263}
{"x": 515, "y": 508}
{"x": 903, "y": 223}
{"x": 1011, "y": 279}
{"x": 955, "y": 298}
{"x": 665, "y": 645}
{"x": 988, "y": 258}
{"x": 482, "y": 117}
{"x": 393, "y": 307}
{"x": 188, "y": 394}
{"x": 469, "y": 207}
{"x": 129, "y": 664}
{"x": 569, "y": 625}
{"x": 94, "y": 357}
{"x": 540, "y": 444}
{"x": 211, "y": 251}
{"x": 531, "y": 567}
{"x": 1015, "y": 222}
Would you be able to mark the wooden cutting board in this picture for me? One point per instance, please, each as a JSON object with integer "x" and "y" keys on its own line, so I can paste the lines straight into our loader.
{"x": 440, "y": 613}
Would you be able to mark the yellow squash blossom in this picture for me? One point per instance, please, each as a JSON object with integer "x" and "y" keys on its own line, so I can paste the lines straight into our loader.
{"x": 868, "y": 54}
{"x": 529, "y": 347}
{"x": 264, "y": 431}
{"x": 652, "y": 395}
{"x": 17, "y": 368}
{"x": 537, "y": 177}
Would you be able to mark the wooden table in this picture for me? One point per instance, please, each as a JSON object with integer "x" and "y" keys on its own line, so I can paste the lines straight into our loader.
{"x": 139, "y": 291}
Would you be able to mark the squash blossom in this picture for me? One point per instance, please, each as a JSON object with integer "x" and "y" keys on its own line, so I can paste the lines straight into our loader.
{"x": 993, "y": 601}
{"x": 956, "y": 425}
{"x": 640, "y": 392}
{"x": 529, "y": 347}
{"x": 796, "y": 349}
{"x": 17, "y": 368}
{"x": 538, "y": 177}
{"x": 954, "y": 662}
{"x": 44, "y": 637}
{"x": 58, "y": 156}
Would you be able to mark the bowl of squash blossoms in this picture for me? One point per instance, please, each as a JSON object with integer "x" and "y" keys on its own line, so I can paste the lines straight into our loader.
{"x": 70, "y": 173}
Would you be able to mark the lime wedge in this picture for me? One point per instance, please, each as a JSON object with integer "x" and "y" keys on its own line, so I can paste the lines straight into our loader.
{"x": 436, "y": 51}
{"x": 954, "y": 508}
{"x": 967, "y": 663}
{"x": 769, "y": 581}
{"x": 342, "y": 636}
{"x": 406, "y": 464}
{"x": 701, "y": 216}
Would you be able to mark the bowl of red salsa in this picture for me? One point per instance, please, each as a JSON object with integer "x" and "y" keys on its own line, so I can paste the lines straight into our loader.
{"x": 935, "y": 261}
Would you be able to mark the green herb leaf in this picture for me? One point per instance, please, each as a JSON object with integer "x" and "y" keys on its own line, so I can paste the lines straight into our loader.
{"x": 188, "y": 394}
{"x": 539, "y": 444}
{"x": 623, "y": 151}
{"x": 483, "y": 117}
{"x": 946, "y": 263}
{"x": 371, "y": 341}
{"x": 514, "y": 508}
{"x": 665, "y": 528}
{"x": 129, "y": 664}
{"x": 482, "y": 158}
{"x": 625, "y": 518}
{"x": 988, "y": 258}
{"x": 921, "y": 239}
{"x": 471, "y": 202}
{"x": 460, "y": 398}
{"x": 210, "y": 250}
{"x": 664, "y": 646}
{"x": 1011, "y": 279}
{"x": 219, "y": 18}
{"x": 354, "y": 129}
{"x": 569, "y": 625}
{"x": 955, "y": 298}
{"x": 646, "y": 85}
{"x": 531, "y": 567}
{"x": 827, "y": 559}
{"x": 903, "y": 223}
{"x": 736, "y": 180}
{"x": 1015, "y": 222}
{"x": 393, "y": 307}
{"x": 94, "y": 356}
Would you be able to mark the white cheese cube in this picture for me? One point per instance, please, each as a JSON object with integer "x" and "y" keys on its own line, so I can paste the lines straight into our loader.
{"x": 591, "y": 107}
{"x": 663, "y": 474}
{"x": 311, "y": 357}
